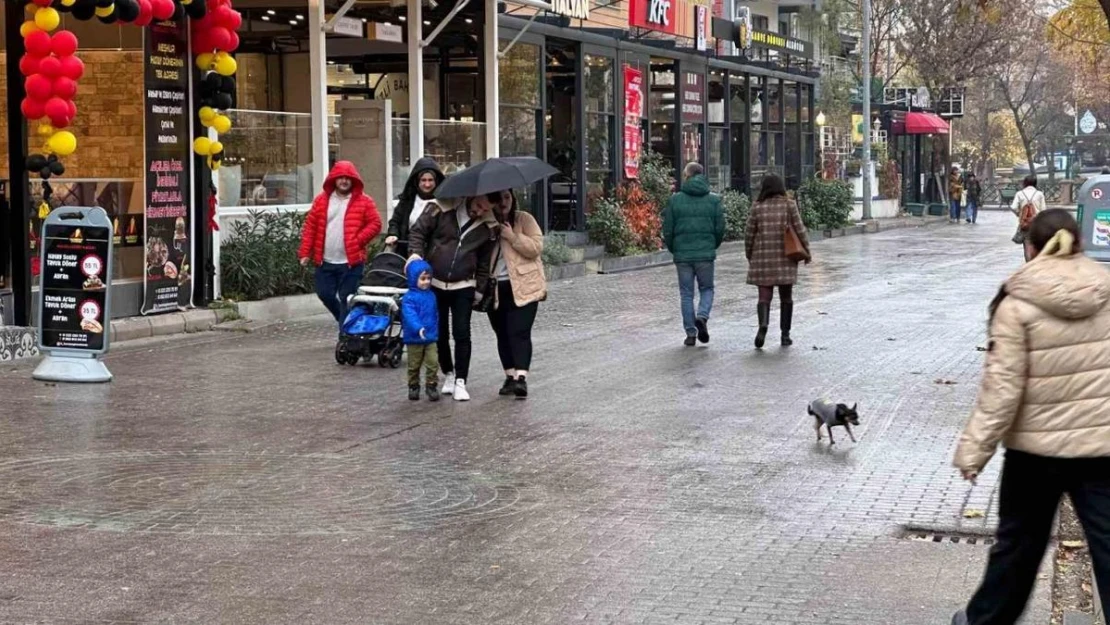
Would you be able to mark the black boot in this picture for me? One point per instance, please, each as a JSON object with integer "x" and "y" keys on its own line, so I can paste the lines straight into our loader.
{"x": 764, "y": 312}
{"x": 414, "y": 393}
{"x": 785, "y": 319}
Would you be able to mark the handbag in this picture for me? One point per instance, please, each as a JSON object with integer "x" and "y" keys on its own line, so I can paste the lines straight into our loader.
{"x": 489, "y": 289}
{"x": 795, "y": 251}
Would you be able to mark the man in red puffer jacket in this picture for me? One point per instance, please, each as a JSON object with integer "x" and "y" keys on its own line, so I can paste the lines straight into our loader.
{"x": 341, "y": 223}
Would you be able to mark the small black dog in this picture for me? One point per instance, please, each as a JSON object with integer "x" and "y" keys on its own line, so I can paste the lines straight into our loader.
{"x": 827, "y": 414}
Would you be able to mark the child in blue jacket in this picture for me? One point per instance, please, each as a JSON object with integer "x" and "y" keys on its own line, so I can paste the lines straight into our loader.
{"x": 420, "y": 330}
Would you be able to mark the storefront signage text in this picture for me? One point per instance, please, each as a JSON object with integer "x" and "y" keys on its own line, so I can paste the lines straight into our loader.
{"x": 349, "y": 26}
{"x": 701, "y": 26}
{"x": 386, "y": 32}
{"x": 633, "y": 112}
{"x": 786, "y": 45}
{"x": 576, "y": 9}
{"x": 74, "y": 286}
{"x": 693, "y": 98}
{"x": 169, "y": 252}
{"x": 658, "y": 15}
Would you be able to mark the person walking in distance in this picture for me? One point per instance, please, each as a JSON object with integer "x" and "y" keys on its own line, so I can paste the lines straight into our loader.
{"x": 1043, "y": 396}
{"x": 765, "y": 246}
{"x": 415, "y": 198}
{"x": 420, "y": 330}
{"x": 693, "y": 229}
{"x": 341, "y": 223}
{"x": 974, "y": 195}
{"x": 517, "y": 267}
{"x": 955, "y": 193}
{"x": 1027, "y": 204}
{"x": 456, "y": 236}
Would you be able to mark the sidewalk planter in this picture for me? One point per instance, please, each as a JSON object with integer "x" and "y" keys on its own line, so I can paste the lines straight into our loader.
{"x": 565, "y": 272}
{"x": 936, "y": 209}
{"x": 916, "y": 210}
{"x": 617, "y": 264}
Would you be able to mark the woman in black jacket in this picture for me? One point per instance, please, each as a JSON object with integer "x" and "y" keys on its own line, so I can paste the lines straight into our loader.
{"x": 417, "y": 195}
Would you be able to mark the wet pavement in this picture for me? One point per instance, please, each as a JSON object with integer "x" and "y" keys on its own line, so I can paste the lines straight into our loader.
{"x": 249, "y": 479}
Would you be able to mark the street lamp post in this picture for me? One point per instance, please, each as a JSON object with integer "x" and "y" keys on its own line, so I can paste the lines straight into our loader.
{"x": 866, "y": 109}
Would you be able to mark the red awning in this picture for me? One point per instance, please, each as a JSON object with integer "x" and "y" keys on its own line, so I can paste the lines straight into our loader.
{"x": 925, "y": 124}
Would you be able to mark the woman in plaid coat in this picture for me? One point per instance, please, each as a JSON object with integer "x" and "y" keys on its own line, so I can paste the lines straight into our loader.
{"x": 768, "y": 266}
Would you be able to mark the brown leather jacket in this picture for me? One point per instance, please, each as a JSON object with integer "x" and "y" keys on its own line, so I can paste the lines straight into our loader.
{"x": 522, "y": 249}
{"x": 1046, "y": 382}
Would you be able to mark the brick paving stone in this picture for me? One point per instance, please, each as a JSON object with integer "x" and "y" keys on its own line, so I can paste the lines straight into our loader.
{"x": 249, "y": 479}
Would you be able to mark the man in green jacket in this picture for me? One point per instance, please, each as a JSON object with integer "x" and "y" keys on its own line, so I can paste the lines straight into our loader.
{"x": 693, "y": 229}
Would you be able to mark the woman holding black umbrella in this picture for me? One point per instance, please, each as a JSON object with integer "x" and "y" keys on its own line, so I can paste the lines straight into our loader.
{"x": 418, "y": 195}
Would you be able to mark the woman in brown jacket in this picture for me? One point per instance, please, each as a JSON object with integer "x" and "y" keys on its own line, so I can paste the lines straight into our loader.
{"x": 1045, "y": 395}
{"x": 768, "y": 266}
{"x": 517, "y": 266}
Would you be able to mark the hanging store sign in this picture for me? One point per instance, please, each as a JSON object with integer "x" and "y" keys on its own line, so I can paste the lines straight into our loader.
{"x": 575, "y": 9}
{"x": 744, "y": 29}
{"x": 701, "y": 28}
{"x": 633, "y": 113}
{"x": 391, "y": 33}
{"x": 167, "y": 280}
{"x": 1088, "y": 123}
{"x": 348, "y": 26}
{"x": 675, "y": 17}
{"x": 693, "y": 98}
{"x": 785, "y": 45}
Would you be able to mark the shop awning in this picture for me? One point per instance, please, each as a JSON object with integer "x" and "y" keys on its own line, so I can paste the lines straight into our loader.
{"x": 925, "y": 124}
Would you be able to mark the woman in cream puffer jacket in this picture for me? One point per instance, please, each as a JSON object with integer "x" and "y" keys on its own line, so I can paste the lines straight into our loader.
{"x": 1045, "y": 395}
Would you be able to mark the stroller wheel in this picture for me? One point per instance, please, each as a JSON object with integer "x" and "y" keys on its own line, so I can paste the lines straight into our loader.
{"x": 341, "y": 353}
{"x": 383, "y": 358}
{"x": 395, "y": 357}
{"x": 352, "y": 359}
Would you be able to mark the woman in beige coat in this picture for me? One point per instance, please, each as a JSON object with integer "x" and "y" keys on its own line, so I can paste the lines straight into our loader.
{"x": 1046, "y": 396}
{"x": 517, "y": 266}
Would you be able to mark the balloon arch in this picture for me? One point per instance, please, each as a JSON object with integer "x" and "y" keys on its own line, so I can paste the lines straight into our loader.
{"x": 52, "y": 70}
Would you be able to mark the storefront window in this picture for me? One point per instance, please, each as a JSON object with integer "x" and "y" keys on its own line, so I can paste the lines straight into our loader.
{"x": 809, "y": 151}
{"x": 737, "y": 100}
{"x": 600, "y": 112}
{"x": 717, "y": 165}
{"x": 717, "y": 97}
{"x": 663, "y": 96}
{"x": 519, "y": 76}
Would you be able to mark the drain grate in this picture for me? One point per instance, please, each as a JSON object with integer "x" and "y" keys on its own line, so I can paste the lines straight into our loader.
{"x": 933, "y": 536}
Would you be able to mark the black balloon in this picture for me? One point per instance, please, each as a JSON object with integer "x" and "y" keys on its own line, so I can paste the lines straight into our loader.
{"x": 84, "y": 12}
{"x": 224, "y": 102}
{"x": 61, "y": 8}
{"x": 213, "y": 81}
{"x": 127, "y": 10}
{"x": 45, "y": 175}
{"x": 178, "y": 11}
{"x": 208, "y": 101}
{"x": 57, "y": 168}
{"x": 227, "y": 84}
{"x": 35, "y": 162}
{"x": 53, "y": 158}
{"x": 109, "y": 19}
{"x": 104, "y": 4}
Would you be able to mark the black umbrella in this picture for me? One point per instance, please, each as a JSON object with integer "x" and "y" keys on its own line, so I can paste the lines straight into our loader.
{"x": 495, "y": 174}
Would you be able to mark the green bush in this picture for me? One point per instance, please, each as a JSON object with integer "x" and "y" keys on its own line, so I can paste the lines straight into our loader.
{"x": 825, "y": 203}
{"x": 656, "y": 179}
{"x": 737, "y": 207}
{"x": 607, "y": 226}
{"x": 258, "y": 259}
{"x": 555, "y": 251}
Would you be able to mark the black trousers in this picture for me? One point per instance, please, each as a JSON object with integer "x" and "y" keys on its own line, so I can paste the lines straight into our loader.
{"x": 455, "y": 308}
{"x": 513, "y": 326}
{"x": 1030, "y": 495}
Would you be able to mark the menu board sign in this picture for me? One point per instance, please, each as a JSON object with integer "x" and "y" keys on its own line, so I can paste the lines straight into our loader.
{"x": 169, "y": 252}
{"x": 74, "y": 312}
{"x": 633, "y": 112}
{"x": 693, "y": 97}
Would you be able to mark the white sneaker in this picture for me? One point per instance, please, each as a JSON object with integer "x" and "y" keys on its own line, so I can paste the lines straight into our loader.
{"x": 460, "y": 391}
{"x": 448, "y": 384}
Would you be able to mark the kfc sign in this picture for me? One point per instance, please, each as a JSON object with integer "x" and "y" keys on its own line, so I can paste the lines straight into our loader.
{"x": 656, "y": 15}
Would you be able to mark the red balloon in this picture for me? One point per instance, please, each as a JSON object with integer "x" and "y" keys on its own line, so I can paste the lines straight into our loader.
{"x": 57, "y": 108}
{"x": 63, "y": 44}
{"x": 32, "y": 109}
{"x": 163, "y": 9}
{"x": 219, "y": 37}
{"x": 234, "y": 45}
{"x": 234, "y": 21}
{"x": 60, "y": 122}
{"x": 37, "y": 43}
{"x": 50, "y": 67}
{"x": 29, "y": 64}
{"x": 64, "y": 88}
{"x": 72, "y": 109}
{"x": 146, "y": 13}
{"x": 38, "y": 87}
{"x": 43, "y": 3}
{"x": 73, "y": 68}
{"x": 219, "y": 14}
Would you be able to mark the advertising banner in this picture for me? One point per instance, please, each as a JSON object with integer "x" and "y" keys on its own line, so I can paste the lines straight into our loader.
{"x": 633, "y": 113}
{"x": 75, "y": 278}
{"x": 169, "y": 250}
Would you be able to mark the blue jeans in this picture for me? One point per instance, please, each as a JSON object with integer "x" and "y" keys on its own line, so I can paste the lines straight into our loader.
{"x": 954, "y": 209}
{"x": 687, "y": 274}
{"x": 972, "y": 210}
{"x": 334, "y": 284}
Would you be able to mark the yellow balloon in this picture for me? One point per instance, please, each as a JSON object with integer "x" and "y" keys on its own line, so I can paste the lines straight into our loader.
{"x": 205, "y": 61}
{"x": 47, "y": 18}
{"x": 63, "y": 143}
{"x": 216, "y": 148}
{"x": 45, "y": 130}
{"x": 222, "y": 124}
{"x": 226, "y": 65}
{"x": 202, "y": 146}
{"x": 27, "y": 28}
{"x": 206, "y": 115}
{"x": 44, "y": 210}
{"x": 68, "y": 3}
{"x": 105, "y": 11}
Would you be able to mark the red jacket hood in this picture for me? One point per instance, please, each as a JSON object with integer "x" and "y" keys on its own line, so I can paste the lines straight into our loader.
{"x": 343, "y": 169}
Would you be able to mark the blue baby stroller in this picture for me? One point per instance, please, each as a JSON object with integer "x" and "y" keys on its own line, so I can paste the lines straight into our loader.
{"x": 373, "y": 325}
